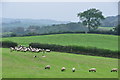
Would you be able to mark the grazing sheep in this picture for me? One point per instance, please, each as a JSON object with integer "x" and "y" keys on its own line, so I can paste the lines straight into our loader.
{"x": 11, "y": 49}
{"x": 40, "y": 50}
{"x": 92, "y": 69}
{"x": 63, "y": 69}
{"x": 47, "y": 67}
{"x": 114, "y": 70}
{"x": 34, "y": 56}
{"x": 47, "y": 50}
{"x": 73, "y": 69}
{"x": 37, "y": 50}
{"x": 25, "y": 49}
{"x": 43, "y": 56}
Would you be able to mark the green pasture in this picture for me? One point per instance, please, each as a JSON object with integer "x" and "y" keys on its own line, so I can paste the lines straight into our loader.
{"x": 23, "y": 65}
{"x": 86, "y": 40}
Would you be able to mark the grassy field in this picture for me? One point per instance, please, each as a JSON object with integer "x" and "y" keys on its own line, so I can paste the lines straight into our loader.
{"x": 23, "y": 65}
{"x": 105, "y": 28}
{"x": 87, "y": 40}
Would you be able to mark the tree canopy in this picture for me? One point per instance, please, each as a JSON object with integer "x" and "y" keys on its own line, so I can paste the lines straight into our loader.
{"x": 91, "y": 18}
{"x": 117, "y": 29}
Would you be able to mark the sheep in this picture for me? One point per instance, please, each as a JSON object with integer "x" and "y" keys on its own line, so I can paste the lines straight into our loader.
{"x": 40, "y": 50}
{"x": 92, "y": 69}
{"x": 11, "y": 49}
{"x": 114, "y": 70}
{"x": 73, "y": 69}
{"x": 37, "y": 50}
{"x": 34, "y": 56}
{"x": 47, "y": 50}
{"x": 47, "y": 67}
{"x": 43, "y": 50}
{"x": 63, "y": 69}
{"x": 43, "y": 56}
{"x": 24, "y": 49}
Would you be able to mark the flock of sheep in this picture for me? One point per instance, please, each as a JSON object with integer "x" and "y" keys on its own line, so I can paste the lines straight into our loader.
{"x": 73, "y": 69}
{"x": 24, "y": 49}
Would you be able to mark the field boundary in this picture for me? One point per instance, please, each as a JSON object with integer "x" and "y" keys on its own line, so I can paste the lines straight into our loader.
{"x": 93, "y": 51}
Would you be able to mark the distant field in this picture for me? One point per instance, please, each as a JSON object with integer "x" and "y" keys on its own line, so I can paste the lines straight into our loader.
{"x": 105, "y": 28}
{"x": 87, "y": 40}
{"x": 23, "y": 65}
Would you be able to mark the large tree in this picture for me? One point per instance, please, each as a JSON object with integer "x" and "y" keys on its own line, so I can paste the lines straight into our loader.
{"x": 117, "y": 29}
{"x": 91, "y": 18}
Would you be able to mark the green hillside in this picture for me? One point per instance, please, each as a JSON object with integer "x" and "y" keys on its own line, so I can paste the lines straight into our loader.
{"x": 87, "y": 40}
{"x": 23, "y": 65}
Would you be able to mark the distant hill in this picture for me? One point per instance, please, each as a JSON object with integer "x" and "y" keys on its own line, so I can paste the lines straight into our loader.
{"x": 110, "y": 21}
{"x": 49, "y": 26}
{"x": 9, "y": 22}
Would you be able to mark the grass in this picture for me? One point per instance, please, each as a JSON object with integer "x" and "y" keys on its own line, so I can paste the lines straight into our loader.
{"x": 23, "y": 65}
{"x": 86, "y": 40}
{"x": 106, "y": 28}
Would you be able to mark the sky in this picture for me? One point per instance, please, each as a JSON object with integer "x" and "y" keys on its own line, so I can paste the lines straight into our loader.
{"x": 60, "y": 11}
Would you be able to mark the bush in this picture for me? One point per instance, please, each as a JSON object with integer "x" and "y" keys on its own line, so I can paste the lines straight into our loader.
{"x": 7, "y": 44}
{"x": 77, "y": 50}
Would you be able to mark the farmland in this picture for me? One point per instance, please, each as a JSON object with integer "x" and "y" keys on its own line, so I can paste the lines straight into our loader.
{"x": 23, "y": 65}
{"x": 86, "y": 40}
{"x": 59, "y": 40}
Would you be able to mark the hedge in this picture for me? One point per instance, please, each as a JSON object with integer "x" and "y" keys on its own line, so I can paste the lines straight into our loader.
{"x": 78, "y": 50}
{"x": 7, "y": 44}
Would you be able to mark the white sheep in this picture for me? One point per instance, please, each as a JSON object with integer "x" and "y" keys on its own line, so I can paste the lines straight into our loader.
{"x": 47, "y": 67}
{"x": 114, "y": 70}
{"x": 47, "y": 50}
{"x": 92, "y": 69}
{"x": 73, "y": 69}
{"x": 63, "y": 69}
{"x": 34, "y": 56}
{"x": 11, "y": 49}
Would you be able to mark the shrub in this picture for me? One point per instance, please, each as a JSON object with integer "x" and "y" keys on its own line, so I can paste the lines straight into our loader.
{"x": 7, "y": 44}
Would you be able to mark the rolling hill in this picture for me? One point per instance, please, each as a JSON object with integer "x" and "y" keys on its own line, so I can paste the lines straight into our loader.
{"x": 86, "y": 40}
{"x": 9, "y": 22}
{"x": 23, "y": 65}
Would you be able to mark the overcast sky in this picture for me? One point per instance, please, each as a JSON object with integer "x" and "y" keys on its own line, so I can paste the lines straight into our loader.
{"x": 61, "y": 11}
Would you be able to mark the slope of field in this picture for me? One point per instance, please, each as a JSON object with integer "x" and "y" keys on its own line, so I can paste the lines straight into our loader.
{"x": 23, "y": 65}
{"x": 87, "y": 40}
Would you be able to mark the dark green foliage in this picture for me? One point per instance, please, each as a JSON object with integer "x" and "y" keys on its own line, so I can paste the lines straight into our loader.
{"x": 91, "y": 18}
{"x": 77, "y": 50}
{"x": 13, "y": 35}
{"x": 33, "y": 29}
{"x": 110, "y": 32}
{"x": 60, "y": 28}
{"x": 117, "y": 29}
{"x": 7, "y": 44}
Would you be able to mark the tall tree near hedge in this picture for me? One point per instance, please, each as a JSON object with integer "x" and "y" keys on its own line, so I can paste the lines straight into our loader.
{"x": 117, "y": 29}
{"x": 91, "y": 18}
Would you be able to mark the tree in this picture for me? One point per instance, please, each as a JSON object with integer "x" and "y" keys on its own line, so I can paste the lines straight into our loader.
{"x": 18, "y": 30}
{"x": 13, "y": 35}
{"x": 117, "y": 29}
{"x": 91, "y": 18}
